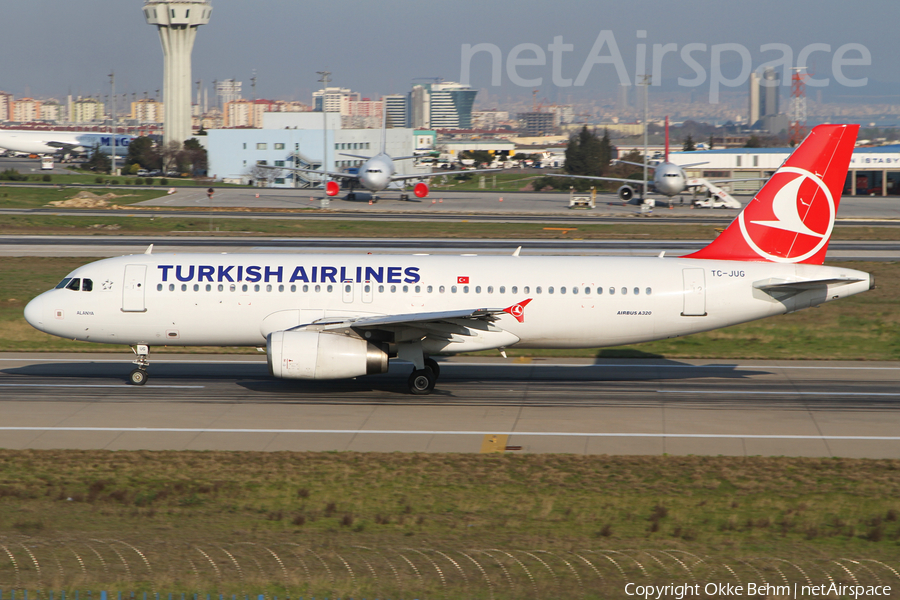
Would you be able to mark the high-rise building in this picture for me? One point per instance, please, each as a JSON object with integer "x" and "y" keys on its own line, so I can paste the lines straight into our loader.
{"x": 6, "y": 101}
{"x": 754, "y": 98}
{"x": 769, "y": 91}
{"x": 441, "y": 105}
{"x": 26, "y": 110}
{"x": 397, "y": 107}
{"x": 334, "y": 99}
{"x": 86, "y": 110}
{"x": 177, "y": 22}
{"x": 228, "y": 91}
{"x": 147, "y": 110}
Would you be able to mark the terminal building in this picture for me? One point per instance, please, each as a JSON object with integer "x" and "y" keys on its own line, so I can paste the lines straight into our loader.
{"x": 874, "y": 171}
{"x": 295, "y": 139}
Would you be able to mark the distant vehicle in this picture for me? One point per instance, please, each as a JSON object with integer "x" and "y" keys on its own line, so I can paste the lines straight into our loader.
{"x": 47, "y": 163}
{"x": 143, "y": 173}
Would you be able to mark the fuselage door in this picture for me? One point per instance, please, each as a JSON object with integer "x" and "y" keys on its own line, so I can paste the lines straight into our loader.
{"x": 367, "y": 291}
{"x": 133, "y": 289}
{"x": 694, "y": 293}
{"x": 347, "y": 290}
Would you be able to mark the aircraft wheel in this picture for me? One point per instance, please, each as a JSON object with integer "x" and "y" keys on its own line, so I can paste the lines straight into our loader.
{"x": 433, "y": 365}
{"x": 138, "y": 377}
{"x": 422, "y": 381}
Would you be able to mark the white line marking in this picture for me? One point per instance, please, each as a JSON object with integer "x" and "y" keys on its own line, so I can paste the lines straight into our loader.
{"x": 770, "y": 393}
{"x": 482, "y": 433}
{"x": 83, "y": 385}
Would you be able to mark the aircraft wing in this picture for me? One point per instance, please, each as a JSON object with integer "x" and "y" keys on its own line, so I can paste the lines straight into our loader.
{"x": 627, "y": 162}
{"x": 631, "y": 181}
{"x": 795, "y": 287}
{"x": 334, "y": 174}
{"x": 67, "y": 146}
{"x": 357, "y": 156}
{"x": 438, "y": 174}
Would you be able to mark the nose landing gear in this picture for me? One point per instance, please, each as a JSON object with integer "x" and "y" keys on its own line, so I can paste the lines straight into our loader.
{"x": 139, "y": 376}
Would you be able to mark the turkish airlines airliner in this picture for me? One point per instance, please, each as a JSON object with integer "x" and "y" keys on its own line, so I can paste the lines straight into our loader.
{"x": 338, "y": 316}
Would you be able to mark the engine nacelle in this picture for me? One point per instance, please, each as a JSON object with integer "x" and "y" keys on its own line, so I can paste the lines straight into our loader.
{"x": 626, "y": 193}
{"x": 420, "y": 190}
{"x": 316, "y": 355}
{"x": 332, "y": 188}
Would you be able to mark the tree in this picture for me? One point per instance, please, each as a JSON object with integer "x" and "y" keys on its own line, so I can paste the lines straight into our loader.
{"x": 689, "y": 145}
{"x": 586, "y": 154}
{"x": 480, "y": 157}
{"x": 142, "y": 151}
{"x": 192, "y": 158}
{"x": 712, "y": 143}
{"x": 170, "y": 156}
{"x": 753, "y": 142}
{"x": 98, "y": 161}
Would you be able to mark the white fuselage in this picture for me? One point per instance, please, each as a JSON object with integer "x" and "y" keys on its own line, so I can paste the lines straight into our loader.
{"x": 669, "y": 179}
{"x": 375, "y": 174}
{"x": 237, "y": 299}
{"x": 50, "y": 142}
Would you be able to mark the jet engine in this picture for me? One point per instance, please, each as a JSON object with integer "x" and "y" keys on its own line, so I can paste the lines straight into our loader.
{"x": 421, "y": 190}
{"x": 332, "y": 188}
{"x": 317, "y": 355}
{"x": 626, "y": 193}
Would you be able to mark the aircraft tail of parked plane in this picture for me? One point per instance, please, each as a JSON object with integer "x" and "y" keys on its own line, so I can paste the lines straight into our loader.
{"x": 323, "y": 316}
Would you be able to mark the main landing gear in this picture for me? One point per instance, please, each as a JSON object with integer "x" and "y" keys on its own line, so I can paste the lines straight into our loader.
{"x": 139, "y": 376}
{"x": 422, "y": 381}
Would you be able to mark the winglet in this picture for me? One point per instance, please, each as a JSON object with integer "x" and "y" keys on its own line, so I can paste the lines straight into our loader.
{"x": 149, "y": 249}
{"x": 518, "y": 310}
{"x": 516, "y": 253}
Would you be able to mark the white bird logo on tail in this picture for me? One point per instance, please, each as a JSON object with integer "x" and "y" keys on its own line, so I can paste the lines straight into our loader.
{"x": 787, "y": 214}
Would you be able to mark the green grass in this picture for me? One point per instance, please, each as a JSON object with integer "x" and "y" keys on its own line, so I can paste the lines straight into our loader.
{"x": 360, "y": 509}
{"x": 862, "y": 327}
{"x": 29, "y": 197}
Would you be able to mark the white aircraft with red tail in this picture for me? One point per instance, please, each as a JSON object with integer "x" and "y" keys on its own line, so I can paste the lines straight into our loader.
{"x": 339, "y": 316}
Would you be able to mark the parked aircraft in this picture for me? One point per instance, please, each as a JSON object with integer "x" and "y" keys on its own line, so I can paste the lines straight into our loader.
{"x": 669, "y": 179}
{"x": 338, "y": 316}
{"x": 376, "y": 174}
{"x": 66, "y": 142}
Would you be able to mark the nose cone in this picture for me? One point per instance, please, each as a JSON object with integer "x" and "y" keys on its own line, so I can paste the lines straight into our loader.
{"x": 34, "y": 312}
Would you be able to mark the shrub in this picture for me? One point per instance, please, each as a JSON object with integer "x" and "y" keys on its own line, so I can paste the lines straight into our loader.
{"x": 149, "y": 181}
{"x": 47, "y": 177}
{"x": 138, "y": 181}
{"x": 115, "y": 182}
{"x": 163, "y": 181}
{"x": 12, "y": 175}
{"x": 98, "y": 180}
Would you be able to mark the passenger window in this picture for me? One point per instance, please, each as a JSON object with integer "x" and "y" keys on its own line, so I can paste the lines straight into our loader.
{"x": 221, "y": 288}
{"x": 452, "y": 289}
{"x": 574, "y": 290}
{"x": 330, "y": 288}
{"x": 347, "y": 288}
{"x": 269, "y": 287}
{"x": 612, "y": 291}
{"x": 514, "y": 290}
{"x": 393, "y": 289}
{"x": 441, "y": 289}
{"x": 158, "y": 287}
{"x": 171, "y": 287}
{"x": 477, "y": 289}
{"x": 418, "y": 289}
{"x": 599, "y": 291}
{"x": 244, "y": 288}
{"x": 537, "y": 290}
{"x": 429, "y": 289}
{"x": 293, "y": 288}
{"x": 502, "y": 289}
{"x": 208, "y": 287}
{"x": 550, "y": 290}
{"x": 256, "y": 288}
{"x": 405, "y": 289}
{"x": 280, "y": 288}
{"x": 562, "y": 290}
{"x": 380, "y": 289}
{"x": 74, "y": 285}
{"x": 232, "y": 287}
{"x": 367, "y": 288}
{"x": 305, "y": 289}
{"x": 197, "y": 288}
{"x": 624, "y": 290}
{"x": 648, "y": 291}
{"x": 587, "y": 291}
{"x": 183, "y": 287}
{"x": 637, "y": 291}
{"x": 526, "y": 289}
{"x": 66, "y": 281}
{"x": 318, "y": 288}
{"x": 490, "y": 289}
{"x": 87, "y": 285}
{"x": 465, "y": 289}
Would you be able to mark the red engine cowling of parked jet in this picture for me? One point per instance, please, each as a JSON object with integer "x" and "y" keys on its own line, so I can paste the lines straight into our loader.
{"x": 317, "y": 355}
{"x": 421, "y": 190}
{"x": 332, "y": 188}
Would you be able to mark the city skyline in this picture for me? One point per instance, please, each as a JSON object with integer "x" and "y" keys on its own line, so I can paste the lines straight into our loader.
{"x": 283, "y": 53}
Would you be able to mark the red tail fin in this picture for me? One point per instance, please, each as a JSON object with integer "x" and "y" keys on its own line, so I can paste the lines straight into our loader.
{"x": 791, "y": 218}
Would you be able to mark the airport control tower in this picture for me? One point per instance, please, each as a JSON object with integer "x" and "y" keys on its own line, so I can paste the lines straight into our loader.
{"x": 177, "y": 22}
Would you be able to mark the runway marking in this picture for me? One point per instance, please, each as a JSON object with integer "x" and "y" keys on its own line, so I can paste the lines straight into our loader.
{"x": 86, "y": 385}
{"x": 771, "y": 393}
{"x": 479, "y": 433}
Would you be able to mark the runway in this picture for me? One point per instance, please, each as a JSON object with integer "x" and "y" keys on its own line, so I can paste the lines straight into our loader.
{"x": 229, "y": 402}
{"x": 106, "y": 246}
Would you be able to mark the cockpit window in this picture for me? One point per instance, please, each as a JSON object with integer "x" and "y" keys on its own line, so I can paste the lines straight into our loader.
{"x": 74, "y": 284}
{"x": 63, "y": 283}
{"x": 87, "y": 285}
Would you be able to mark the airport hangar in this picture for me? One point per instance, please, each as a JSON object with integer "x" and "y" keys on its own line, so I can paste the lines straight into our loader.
{"x": 294, "y": 139}
{"x": 870, "y": 168}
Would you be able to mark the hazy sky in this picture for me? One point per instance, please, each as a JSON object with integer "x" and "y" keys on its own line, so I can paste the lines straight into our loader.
{"x": 55, "y": 47}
